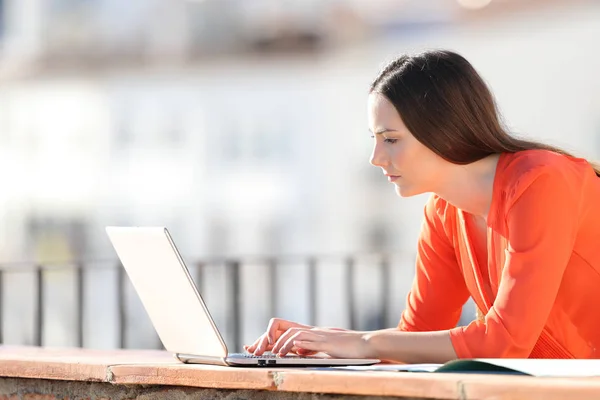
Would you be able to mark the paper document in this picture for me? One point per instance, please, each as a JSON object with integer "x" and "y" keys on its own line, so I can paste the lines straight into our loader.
{"x": 393, "y": 367}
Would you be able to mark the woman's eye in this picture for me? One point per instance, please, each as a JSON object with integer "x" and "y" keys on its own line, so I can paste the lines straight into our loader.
{"x": 392, "y": 141}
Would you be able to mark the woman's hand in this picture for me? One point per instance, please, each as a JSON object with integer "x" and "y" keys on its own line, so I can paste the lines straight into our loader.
{"x": 277, "y": 327}
{"x": 392, "y": 345}
{"x": 333, "y": 342}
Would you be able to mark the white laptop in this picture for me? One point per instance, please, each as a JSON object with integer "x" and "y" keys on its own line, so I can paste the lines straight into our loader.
{"x": 176, "y": 309}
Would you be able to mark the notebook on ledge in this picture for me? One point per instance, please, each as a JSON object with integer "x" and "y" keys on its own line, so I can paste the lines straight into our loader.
{"x": 508, "y": 366}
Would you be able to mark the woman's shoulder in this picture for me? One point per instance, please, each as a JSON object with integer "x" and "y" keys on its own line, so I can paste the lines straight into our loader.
{"x": 519, "y": 170}
{"x": 536, "y": 161}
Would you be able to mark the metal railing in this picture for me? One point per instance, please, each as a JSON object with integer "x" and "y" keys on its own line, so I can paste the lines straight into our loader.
{"x": 234, "y": 301}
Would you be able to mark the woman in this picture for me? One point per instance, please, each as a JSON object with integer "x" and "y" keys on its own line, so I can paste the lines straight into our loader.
{"x": 512, "y": 223}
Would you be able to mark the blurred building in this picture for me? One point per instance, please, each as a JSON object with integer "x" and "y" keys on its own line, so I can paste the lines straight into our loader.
{"x": 178, "y": 113}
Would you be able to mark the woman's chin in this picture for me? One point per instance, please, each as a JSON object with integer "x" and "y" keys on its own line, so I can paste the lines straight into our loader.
{"x": 404, "y": 191}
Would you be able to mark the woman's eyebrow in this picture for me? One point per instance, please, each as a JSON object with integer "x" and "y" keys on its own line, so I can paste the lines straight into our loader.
{"x": 383, "y": 130}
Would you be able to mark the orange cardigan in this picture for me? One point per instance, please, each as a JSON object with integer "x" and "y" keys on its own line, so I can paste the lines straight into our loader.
{"x": 540, "y": 287}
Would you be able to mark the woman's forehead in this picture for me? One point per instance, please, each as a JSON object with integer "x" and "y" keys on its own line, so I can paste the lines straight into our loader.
{"x": 382, "y": 112}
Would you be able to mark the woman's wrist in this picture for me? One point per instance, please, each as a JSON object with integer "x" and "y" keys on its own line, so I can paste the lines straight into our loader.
{"x": 374, "y": 343}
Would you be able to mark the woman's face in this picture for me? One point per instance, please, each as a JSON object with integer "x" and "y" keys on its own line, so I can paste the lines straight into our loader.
{"x": 408, "y": 164}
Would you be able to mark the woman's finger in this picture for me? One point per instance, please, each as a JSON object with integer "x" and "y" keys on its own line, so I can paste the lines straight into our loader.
{"x": 302, "y": 335}
{"x": 284, "y": 338}
{"x": 309, "y": 346}
{"x": 263, "y": 345}
{"x": 276, "y": 328}
{"x": 253, "y": 346}
{"x": 278, "y": 324}
{"x": 303, "y": 352}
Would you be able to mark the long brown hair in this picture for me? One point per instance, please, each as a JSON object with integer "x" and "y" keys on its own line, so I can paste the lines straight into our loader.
{"x": 447, "y": 107}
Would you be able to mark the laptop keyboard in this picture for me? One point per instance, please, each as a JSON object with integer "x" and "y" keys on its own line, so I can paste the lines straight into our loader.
{"x": 264, "y": 356}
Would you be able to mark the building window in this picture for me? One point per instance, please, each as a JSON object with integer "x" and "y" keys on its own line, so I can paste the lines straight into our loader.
{"x": 251, "y": 139}
{"x": 52, "y": 239}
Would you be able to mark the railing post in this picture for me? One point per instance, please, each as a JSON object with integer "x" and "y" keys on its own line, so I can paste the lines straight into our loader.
{"x": 235, "y": 305}
{"x": 199, "y": 276}
{"x": 272, "y": 265}
{"x": 385, "y": 291}
{"x": 79, "y": 302}
{"x": 1, "y": 306}
{"x": 121, "y": 305}
{"x": 39, "y": 306}
{"x": 312, "y": 290}
{"x": 350, "y": 292}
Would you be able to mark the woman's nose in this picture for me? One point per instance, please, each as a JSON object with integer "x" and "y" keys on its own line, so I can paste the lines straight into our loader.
{"x": 378, "y": 158}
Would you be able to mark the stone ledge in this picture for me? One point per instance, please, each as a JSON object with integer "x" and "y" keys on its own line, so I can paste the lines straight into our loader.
{"x": 71, "y": 364}
{"x": 440, "y": 386}
{"x": 204, "y": 376}
{"x": 158, "y": 369}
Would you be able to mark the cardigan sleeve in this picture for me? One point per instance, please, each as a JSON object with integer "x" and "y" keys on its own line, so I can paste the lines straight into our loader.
{"x": 438, "y": 291}
{"x": 542, "y": 222}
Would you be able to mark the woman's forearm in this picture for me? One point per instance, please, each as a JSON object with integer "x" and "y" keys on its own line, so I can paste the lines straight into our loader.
{"x": 410, "y": 347}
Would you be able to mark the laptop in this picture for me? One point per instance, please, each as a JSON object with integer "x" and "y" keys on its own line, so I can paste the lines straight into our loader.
{"x": 176, "y": 309}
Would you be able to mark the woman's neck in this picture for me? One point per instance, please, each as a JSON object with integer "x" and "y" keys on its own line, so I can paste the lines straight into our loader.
{"x": 470, "y": 187}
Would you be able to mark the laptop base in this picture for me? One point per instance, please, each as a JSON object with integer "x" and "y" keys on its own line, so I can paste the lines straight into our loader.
{"x": 245, "y": 360}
